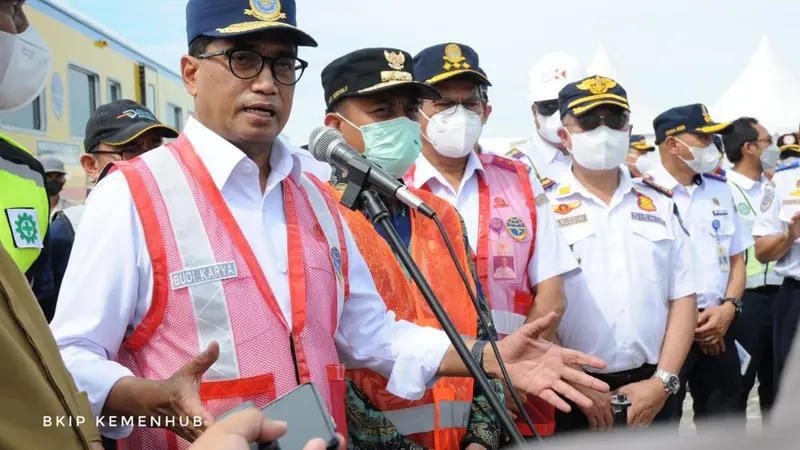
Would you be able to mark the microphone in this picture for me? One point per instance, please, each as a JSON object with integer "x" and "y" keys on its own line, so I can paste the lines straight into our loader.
{"x": 328, "y": 145}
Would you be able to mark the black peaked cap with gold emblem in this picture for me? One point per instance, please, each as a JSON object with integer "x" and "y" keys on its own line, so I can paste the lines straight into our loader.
{"x": 687, "y": 119}
{"x": 444, "y": 61}
{"x": 369, "y": 71}
{"x": 229, "y": 18}
{"x": 582, "y": 96}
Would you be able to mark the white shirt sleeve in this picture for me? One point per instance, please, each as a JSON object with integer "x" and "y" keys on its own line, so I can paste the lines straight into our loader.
{"x": 98, "y": 297}
{"x": 682, "y": 273}
{"x": 551, "y": 256}
{"x": 768, "y": 222}
{"x": 742, "y": 239}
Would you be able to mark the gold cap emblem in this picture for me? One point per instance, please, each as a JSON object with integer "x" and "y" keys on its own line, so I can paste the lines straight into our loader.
{"x": 397, "y": 61}
{"x": 706, "y": 116}
{"x": 266, "y": 10}
{"x": 453, "y": 58}
{"x": 597, "y": 85}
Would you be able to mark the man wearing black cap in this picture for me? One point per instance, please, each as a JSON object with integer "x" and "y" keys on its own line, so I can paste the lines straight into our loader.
{"x": 378, "y": 114}
{"x": 620, "y": 306}
{"x": 227, "y": 274}
{"x": 685, "y": 137}
{"x": 504, "y": 208}
{"x": 642, "y": 157}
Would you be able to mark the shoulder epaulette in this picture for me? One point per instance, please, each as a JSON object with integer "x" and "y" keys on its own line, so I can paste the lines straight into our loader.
{"x": 716, "y": 176}
{"x": 788, "y": 166}
{"x": 547, "y": 183}
{"x": 721, "y": 171}
{"x": 648, "y": 180}
{"x": 515, "y": 153}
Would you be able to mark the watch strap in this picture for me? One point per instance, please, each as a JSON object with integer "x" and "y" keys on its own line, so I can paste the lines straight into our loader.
{"x": 477, "y": 352}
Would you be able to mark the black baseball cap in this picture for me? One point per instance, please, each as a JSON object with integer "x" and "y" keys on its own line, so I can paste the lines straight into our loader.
{"x": 120, "y": 122}
{"x": 582, "y": 96}
{"x": 444, "y": 61}
{"x": 687, "y": 119}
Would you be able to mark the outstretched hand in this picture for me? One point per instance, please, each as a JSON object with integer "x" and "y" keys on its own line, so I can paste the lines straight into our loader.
{"x": 540, "y": 368}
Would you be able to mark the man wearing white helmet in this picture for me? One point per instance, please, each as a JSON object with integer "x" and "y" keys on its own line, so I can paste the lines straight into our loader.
{"x": 544, "y": 152}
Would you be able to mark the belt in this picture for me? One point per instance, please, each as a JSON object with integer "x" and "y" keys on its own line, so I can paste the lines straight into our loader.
{"x": 618, "y": 379}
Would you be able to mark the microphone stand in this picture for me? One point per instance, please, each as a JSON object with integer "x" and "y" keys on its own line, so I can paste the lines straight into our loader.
{"x": 357, "y": 197}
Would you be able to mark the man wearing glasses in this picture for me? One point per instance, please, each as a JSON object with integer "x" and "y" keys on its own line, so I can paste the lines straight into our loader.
{"x": 211, "y": 271}
{"x": 625, "y": 236}
{"x": 685, "y": 138}
{"x": 504, "y": 208}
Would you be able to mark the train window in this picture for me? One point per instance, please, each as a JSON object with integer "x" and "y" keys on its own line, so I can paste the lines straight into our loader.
{"x": 151, "y": 99}
{"x": 174, "y": 116}
{"x": 29, "y": 117}
{"x": 114, "y": 91}
{"x": 83, "y": 96}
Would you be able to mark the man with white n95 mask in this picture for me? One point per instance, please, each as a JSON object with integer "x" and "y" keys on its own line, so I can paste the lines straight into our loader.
{"x": 626, "y": 237}
{"x": 685, "y": 138}
{"x": 504, "y": 208}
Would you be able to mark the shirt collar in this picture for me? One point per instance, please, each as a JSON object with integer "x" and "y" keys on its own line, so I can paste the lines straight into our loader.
{"x": 221, "y": 157}
{"x": 424, "y": 171}
{"x": 569, "y": 185}
{"x": 663, "y": 178}
{"x": 549, "y": 152}
{"x": 742, "y": 181}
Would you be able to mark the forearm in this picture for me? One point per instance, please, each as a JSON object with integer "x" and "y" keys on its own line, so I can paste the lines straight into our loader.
{"x": 773, "y": 248}
{"x": 681, "y": 324}
{"x": 133, "y": 396}
{"x": 548, "y": 297}
{"x": 737, "y": 278}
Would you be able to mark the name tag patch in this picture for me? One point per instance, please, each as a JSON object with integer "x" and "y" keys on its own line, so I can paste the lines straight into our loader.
{"x": 205, "y": 274}
{"x": 574, "y": 220}
{"x": 648, "y": 218}
{"x": 721, "y": 212}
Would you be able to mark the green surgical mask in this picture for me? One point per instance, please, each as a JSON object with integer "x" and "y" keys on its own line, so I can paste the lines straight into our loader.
{"x": 394, "y": 144}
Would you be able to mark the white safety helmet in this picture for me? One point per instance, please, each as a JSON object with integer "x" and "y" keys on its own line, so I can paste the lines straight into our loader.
{"x": 550, "y": 75}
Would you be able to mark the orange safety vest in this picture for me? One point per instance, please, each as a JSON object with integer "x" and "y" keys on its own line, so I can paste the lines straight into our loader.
{"x": 440, "y": 419}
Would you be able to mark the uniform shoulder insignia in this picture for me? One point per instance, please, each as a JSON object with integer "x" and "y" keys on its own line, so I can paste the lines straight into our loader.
{"x": 648, "y": 180}
{"x": 716, "y": 176}
{"x": 547, "y": 183}
{"x": 788, "y": 166}
{"x": 515, "y": 153}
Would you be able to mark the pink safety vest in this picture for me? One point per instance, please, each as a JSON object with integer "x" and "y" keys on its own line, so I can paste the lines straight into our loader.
{"x": 208, "y": 286}
{"x": 506, "y": 242}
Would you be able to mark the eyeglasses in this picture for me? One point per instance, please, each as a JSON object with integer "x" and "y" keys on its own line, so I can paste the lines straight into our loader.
{"x": 447, "y": 107}
{"x": 767, "y": 140}
{"x": 546, "y": 108}
{"x": 614, "y": 121}
{"x": 247, "y": 64}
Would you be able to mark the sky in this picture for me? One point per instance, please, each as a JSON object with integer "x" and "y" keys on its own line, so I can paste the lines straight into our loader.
{"x": 666, "y": 53}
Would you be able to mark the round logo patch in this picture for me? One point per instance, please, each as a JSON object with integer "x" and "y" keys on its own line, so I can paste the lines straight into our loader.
{"x": 500, "y": 202}
{"x": 496, "y": 225}
{"x": 744, "y": 209}
{"x": 516, "y": 228}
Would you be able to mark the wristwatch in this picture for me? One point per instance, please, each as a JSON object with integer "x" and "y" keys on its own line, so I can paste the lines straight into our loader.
{"x": 672, "y": 384}
{"x": 737, "y": 303}
{"x": 477, "y": 353}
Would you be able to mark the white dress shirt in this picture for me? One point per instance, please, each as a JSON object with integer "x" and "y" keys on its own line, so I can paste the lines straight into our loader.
{"x": 548, "y": 160}
{"x": 781, "y": 201}
{"x": 635, "y": 257}
{"x": 108, "y": 284}
{"x": 715, "y": 227}
{"x": 748, "y": 194}
{"x": 551, "y": 257}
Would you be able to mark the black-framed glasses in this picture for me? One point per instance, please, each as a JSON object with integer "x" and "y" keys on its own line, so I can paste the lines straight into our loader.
{"x": 447, "y": 107}
{"x": 247, "y": 64}
{"x": 547, "y": 107}
{"x": 614, "y": 121}
{"x": 767, "y": 140}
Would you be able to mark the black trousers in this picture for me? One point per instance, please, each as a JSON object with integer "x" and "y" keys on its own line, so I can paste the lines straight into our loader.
{"x": 754, "y": 329}
{"x": 715, "y": 382}
{"x": 575, "y": 420}
{"x": 787, "y": 313}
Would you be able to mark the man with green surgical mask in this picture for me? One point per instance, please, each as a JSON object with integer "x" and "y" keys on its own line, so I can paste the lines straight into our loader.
{"x": 372, "y": 99}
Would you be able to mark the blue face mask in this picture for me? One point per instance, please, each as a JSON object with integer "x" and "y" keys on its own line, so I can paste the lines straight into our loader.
{"x": 394, "y": 144}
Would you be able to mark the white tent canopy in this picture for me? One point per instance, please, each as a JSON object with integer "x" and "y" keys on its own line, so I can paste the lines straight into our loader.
{"x": 765, "y": 90}
{"x": 641, "y": 115}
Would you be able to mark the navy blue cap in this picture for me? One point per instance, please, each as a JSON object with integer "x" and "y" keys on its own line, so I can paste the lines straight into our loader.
{"x": 369, "y": 71}
{"x": 789, "y": 141}
{"x": 582, "y": 96}
{"x": 444, "y": 61}
{"x": 687, "y": 119}
{"x": 228, "y": 18}
{"x": 640, "y": 143}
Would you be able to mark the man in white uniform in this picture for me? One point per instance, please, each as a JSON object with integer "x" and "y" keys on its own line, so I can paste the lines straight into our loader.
{"x": 228, "y": 189}
{"x": 634, "y": 305}
{"x": 684, "y": 136}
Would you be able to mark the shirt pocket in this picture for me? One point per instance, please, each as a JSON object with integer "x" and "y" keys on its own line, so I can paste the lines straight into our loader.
{"x": 721, "y": 229}
{"x": 575, "y": 229}
{"x": 650, "y": 247}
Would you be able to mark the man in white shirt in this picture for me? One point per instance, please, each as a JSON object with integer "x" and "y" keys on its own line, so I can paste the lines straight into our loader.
{"x": 750, "y": 148}
{"x": 144, "y": 321}
{"x": 544, "y": 152}
{"x": 634, "y": 305}
{"x": 684, "y": 136}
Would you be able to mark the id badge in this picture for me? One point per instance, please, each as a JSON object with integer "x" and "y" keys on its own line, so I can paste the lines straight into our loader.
{"x": 503, "y": 260}
{"x": 722, "y": 258}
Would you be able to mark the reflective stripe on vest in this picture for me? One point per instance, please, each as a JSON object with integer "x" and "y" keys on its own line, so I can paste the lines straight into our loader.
{"x": 422, "y": 419}
{"x": 758, "y": 274}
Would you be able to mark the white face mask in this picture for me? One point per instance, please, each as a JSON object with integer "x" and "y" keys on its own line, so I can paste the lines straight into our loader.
{"x": 549, "y": 126}
{"x": 769, "y": 159}
{"x": 454, "y": 132}
{"x": 705, "y": 159}
{"x": 599, "y": 149}
{"x": 648, "y": 161}
{"x": 24, "y": 74}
